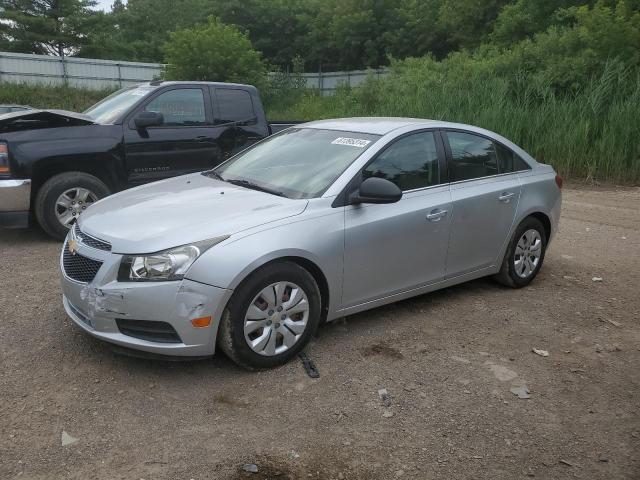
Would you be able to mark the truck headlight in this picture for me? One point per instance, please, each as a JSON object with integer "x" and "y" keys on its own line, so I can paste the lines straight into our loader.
{"x": 167, "y": 265}
{"x": 4, "y": 159}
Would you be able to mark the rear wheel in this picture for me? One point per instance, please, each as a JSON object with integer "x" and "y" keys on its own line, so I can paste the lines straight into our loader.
{"x": 63, "y": 198}
{"x": 525, "y": 254}
{"x": 271, "y": 316}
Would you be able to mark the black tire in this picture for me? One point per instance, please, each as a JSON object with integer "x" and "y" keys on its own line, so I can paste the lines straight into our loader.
{"x": 45, "y": 203}
{"x": 507, "y": 275}
{"x": 231, "y": 337}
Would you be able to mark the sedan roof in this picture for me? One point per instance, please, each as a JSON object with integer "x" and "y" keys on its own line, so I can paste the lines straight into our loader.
{"x": 374, "y": 125}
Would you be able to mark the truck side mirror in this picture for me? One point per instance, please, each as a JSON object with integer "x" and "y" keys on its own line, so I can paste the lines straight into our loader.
{"x": 148, "y": 119}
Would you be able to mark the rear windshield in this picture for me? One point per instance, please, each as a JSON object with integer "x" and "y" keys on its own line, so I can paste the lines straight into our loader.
{"x": 298, "y": 162}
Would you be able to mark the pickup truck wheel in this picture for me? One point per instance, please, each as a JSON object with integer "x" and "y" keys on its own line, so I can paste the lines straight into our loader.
{"x": 63, "y": 198}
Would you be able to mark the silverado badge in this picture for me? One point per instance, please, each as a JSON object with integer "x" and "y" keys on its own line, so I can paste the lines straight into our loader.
{"x": 73, "y": 246}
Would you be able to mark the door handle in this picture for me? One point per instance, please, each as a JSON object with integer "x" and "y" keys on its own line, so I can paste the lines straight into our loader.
{"x": 202, "y": 138}
{"x": 506, "y": 196}
{"x": 436, "y": 215}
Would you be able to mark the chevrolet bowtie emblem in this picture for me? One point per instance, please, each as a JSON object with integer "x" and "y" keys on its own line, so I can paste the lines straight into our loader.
{"x": 73, "y": 246}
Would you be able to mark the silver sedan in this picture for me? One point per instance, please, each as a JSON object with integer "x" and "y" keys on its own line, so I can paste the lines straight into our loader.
{"x": 320, "y": 221}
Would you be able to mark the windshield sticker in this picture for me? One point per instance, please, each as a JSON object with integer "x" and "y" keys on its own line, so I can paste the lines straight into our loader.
{"x": 139, "y": 92}
{"x": 352, "y": 142}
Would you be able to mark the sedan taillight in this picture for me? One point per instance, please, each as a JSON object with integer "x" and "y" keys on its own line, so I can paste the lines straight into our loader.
{"x": 559, "y": 181}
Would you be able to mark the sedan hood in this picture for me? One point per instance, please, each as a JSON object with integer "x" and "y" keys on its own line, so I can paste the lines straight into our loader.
{"x": 180, "y": 211}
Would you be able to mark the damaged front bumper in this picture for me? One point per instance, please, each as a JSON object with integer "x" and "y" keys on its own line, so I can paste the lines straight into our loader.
{"x": 153, "y": 317}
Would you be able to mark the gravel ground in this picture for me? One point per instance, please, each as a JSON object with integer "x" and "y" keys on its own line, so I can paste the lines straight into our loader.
{"x": 448, "y": 361}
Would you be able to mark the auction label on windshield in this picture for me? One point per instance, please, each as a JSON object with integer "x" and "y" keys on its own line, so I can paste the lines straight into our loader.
{"x": 352, "y": 142}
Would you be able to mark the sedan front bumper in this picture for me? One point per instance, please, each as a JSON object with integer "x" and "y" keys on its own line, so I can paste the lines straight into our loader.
{"x": 102, "y": 306}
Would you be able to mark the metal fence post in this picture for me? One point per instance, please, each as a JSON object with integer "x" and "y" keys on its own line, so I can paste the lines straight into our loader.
{"x": 119, "y": 76}
{"x": 65, "y": 78}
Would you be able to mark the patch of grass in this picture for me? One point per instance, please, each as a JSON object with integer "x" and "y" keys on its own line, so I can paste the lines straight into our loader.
{"x": 588, "y": 135}
{"x": 64, "y": 98}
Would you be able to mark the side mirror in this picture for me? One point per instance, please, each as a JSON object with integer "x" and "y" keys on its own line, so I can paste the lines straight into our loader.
{"x": 376, "y": 190}
{"x": 148, "y": 119}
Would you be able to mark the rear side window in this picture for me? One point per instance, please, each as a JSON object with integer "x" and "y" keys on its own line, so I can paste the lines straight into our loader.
{"x": 471, "y": 156}
{"x": 183, "y": 107}
{"x": 509, "y": 161}
{"x": 410, "y": 163}
{"x": 233, "y": 105}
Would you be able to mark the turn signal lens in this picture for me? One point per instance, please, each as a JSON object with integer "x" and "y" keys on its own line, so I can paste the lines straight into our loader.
{"x": 4, "y": 158}
{"x": 559, "y": 181}
{"x": 201, "y": 322}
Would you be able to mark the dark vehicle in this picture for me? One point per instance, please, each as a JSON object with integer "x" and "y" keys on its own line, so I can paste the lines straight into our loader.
{"x": 54, "y": 163}
{"x": 13, "y": 108}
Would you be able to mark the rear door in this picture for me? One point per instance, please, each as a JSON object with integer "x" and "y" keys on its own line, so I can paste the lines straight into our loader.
{"x": 184, "y": 143}
{"x": 399, "y": 246}
{"x": 236, "y": 118}
{"x": 484, "y": 201}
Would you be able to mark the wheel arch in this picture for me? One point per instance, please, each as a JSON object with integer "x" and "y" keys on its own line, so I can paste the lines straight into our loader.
{"x": 544, "y": 219}
{"x": 309, "y": 265}
{"x": 46, "y": 169}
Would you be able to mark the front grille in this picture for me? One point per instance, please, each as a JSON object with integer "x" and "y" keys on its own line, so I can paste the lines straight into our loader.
{"x": 79, "y": 268}
{"x": 89, "y": 240}
{"x": 151, "y": 331}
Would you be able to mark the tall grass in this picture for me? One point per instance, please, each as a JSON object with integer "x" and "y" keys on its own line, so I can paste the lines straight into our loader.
{"x": 591, "y": 134}
{"x": 64, "y": 98}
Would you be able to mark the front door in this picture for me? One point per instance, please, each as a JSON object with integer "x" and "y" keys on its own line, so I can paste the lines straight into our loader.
{"x": 484, "y": 202}
{"x": 185, "y": 142}
{"x": 396, "y": 247}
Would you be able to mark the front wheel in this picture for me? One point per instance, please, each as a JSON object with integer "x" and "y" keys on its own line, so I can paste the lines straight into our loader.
{"x": 63, "y": 198}
{"x": 524, "y": 255}
{"x": 271, "y": 316}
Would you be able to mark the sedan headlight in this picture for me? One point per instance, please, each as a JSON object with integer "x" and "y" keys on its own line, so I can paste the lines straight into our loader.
{"x": 167, "y": 265}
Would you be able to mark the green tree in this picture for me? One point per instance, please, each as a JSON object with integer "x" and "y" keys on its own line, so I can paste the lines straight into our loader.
{"x": 468, "y": 23}
{"x": 213, "y": 52}
{"x": 524, "y": 18}
{"x": 137, "y": 30}
{"x": 276, "y": 28}
{"x": 569, "y": 55}
{"x": 54, "y": 27}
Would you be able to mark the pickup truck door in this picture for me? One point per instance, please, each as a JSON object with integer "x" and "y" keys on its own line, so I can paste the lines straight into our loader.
{"x": 238, "y": 112}
{"x": 186, "y": 142}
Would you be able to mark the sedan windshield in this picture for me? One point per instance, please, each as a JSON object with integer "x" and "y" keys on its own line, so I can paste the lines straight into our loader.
{"x": 297, "y": 163}
{"x": 109, "y": 109}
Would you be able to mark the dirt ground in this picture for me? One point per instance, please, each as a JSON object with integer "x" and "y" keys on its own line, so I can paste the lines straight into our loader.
{"x": 448, "y": 361}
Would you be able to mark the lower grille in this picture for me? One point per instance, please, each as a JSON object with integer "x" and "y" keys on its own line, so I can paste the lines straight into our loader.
{"x": 151, "y": 331}
{"x": 79, "y": 268}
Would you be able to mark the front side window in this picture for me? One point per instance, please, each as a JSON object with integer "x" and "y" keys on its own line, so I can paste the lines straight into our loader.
{"x": 410, "y": 163}
{"x": 233, "y": 105}
{"x": 471, "y": 157}
{"x": 297, "y": 163}
{"x": 183, "y": 107}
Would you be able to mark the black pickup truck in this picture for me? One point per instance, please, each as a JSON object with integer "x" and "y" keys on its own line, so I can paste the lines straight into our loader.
{"x": 54, "y": 163}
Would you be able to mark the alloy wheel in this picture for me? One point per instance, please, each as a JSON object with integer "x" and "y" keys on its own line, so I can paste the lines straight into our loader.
{"x": 71, "y": 203}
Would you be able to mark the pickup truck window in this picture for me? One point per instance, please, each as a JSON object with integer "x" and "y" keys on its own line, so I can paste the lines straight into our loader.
{"x": 183, "y": 107}
{"x": 233, "y": 105}
{"x": 109, "y": 109}
{"x": 297, "y": 163}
